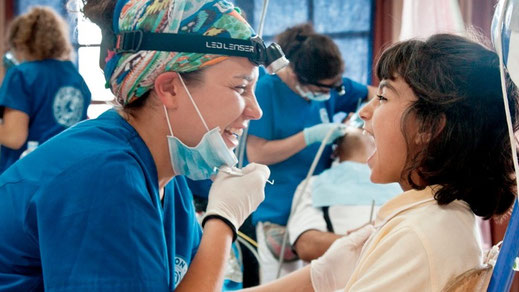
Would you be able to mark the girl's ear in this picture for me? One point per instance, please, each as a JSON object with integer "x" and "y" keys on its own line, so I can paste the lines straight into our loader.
{"x": 425, "y": 137}
{"x": 166, "y": 89}
{"x": 422, "y": 138}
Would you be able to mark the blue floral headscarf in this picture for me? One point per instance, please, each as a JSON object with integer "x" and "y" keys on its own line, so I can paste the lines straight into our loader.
{"x": 131, "y": 75}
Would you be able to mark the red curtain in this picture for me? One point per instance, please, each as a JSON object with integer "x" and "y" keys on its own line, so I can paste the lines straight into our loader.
{"x": 383, "y": 32}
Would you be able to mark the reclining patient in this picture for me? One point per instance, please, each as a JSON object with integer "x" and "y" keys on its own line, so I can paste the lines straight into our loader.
{"x": 338, "y": 200}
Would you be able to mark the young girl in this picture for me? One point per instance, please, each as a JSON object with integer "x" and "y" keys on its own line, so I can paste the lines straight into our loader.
{"x": 439, "y": 129}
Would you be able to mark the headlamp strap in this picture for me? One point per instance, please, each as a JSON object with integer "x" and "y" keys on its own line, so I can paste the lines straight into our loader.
{"x": 138, "y": 40}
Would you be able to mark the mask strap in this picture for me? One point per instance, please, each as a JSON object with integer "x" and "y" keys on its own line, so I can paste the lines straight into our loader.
{"x": 167, "y": 119}
{"x": 193, "y": 101}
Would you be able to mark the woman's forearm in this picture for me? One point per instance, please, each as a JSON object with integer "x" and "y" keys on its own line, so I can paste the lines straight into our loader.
{"x": 14, "y": 128}
{"x": 267, "y": 152}
{"x": 314, "y": 243}
{"x": 206, "y": 272}
{"x": 299, "y": 281}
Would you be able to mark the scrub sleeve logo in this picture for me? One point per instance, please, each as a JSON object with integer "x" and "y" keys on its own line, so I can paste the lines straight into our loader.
{"x": 180, "y": 270}
{"x": 68, "y": 106}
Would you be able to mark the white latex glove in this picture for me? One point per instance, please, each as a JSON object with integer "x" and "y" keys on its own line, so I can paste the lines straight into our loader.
{"x": 334, "y": 268}
{"x": 235, "y": 194}
{"x": 318, "y": 132}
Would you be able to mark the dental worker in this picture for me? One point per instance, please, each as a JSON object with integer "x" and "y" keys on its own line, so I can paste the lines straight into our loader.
{"x": 298, "y": 107}
{"x": 43, "y": 95}
{"x": 104, "y": 206}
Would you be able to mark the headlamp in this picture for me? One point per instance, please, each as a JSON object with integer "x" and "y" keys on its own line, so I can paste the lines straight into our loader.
{"x": 271, "y": 57}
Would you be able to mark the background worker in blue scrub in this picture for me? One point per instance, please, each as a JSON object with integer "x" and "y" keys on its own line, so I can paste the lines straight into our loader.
{"x": 43, "y": 95}
{"x": 104, "y": 206}
{"x": 298, "y": 104}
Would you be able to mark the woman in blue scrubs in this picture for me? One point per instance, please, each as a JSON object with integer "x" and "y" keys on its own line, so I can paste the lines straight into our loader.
{"x": 298, "y": 106}
{"x": 104, "y": 206}
{"x": 43, "y": 95}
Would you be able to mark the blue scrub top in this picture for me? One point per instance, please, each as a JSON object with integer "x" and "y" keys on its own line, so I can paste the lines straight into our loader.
{"x": 285, "y": 113}
{"x": 200, "y": 188}
{"x": 82, "y": 213}
{"x": 51, "y": 93}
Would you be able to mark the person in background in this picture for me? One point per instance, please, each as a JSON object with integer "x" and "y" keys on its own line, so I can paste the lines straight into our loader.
{"x": 449, "y": 151}
{"x": 44, "y": 94}
{"x": 104, "y": 205}
{"x": 298, "y": 104}
{"x": 339, "y": 199}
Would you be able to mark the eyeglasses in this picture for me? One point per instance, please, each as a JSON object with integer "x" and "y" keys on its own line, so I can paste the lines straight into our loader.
{"x": 339, "y": 86}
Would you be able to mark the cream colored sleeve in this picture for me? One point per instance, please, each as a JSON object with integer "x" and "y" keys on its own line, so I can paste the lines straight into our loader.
{"x": 397, "y": 262}
{"x": 305, "y": 216}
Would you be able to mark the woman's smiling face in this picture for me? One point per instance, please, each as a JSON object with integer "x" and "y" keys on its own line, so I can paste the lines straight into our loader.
{"x": 225, "y": 98}
{"x": 383, "y": 118}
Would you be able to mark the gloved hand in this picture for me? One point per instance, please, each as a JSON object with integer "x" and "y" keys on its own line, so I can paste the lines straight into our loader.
{"x": 318, "y": 132}
{"x": 234, "y": 197}
{"x": 334, "y": 268}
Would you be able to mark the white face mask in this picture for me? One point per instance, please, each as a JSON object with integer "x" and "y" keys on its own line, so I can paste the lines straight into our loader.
{"x": 201, "y": 161}
{"x": 311, "y": 95}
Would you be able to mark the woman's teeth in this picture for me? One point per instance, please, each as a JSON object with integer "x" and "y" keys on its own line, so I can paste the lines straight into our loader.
{"x": 235, "y": 131}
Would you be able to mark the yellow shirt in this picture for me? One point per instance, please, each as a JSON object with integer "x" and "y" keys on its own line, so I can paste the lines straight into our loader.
{"x": 418, "y": 245}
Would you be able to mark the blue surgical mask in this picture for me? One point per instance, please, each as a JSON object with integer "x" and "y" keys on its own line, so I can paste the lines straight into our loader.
{"x": 312, "y": 95}
{"x": 202, "y": 161}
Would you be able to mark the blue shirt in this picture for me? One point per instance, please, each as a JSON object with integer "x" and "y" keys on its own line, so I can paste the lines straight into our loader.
{"x": 82, "y": 213}
{"x": 285, "y": 113}
{"x": 200, "y": 188}
{"x": 51, "y": 93}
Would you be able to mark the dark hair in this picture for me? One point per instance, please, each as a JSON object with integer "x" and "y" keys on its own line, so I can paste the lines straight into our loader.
{"x": 313, "y": 56}
{"x": 101, "y": 13}
{"x": 460, "y": 105}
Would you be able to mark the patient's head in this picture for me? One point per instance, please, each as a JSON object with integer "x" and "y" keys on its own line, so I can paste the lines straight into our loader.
{"x": 354, "y": 146}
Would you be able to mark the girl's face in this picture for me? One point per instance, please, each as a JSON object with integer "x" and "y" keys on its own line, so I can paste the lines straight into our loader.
{"x": 225, "y": 98}
{"x": 383, "y": 116}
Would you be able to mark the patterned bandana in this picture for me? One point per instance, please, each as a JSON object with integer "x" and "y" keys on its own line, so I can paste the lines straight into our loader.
{"x": 131, "y": 75}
